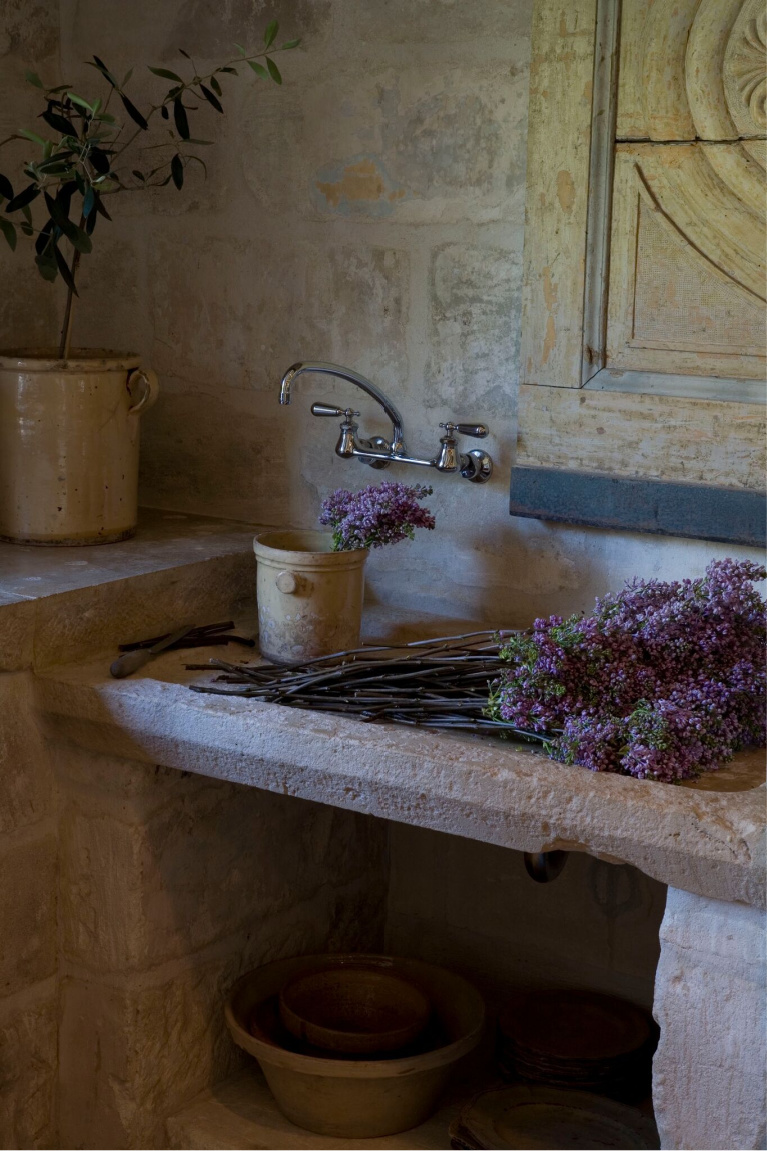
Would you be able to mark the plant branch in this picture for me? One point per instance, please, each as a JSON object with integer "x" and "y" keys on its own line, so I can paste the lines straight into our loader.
{"x": 66, "y": 331}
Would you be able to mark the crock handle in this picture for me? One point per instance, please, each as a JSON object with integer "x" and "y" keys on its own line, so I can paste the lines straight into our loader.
{"x": 151, "y": 390}
{"x": 286, "y": 583}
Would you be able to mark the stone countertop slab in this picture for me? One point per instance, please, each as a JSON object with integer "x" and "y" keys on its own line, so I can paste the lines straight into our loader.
{"x": 62, "y": 605}
{"x": 163, "y": 540}
{"x": 706, "y": 838}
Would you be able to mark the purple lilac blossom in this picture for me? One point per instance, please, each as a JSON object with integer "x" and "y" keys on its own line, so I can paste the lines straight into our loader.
{"x": 377, "y": 515}
{"x": 661, "y": 681}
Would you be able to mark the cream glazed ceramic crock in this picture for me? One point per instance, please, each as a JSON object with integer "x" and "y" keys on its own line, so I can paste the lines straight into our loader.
{"x": 309, "y": 597}
{"x": 69, "y": 445}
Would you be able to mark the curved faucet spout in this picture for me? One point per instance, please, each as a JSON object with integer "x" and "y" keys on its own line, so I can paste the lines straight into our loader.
{"x": 398, "y": 433}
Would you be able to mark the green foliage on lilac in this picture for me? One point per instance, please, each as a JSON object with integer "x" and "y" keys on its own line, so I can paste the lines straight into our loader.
{"x": 661, "y": 681}
{"x": 377, "y": 515}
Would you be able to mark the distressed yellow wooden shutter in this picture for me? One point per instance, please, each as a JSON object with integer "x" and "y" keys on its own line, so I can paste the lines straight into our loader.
{"x": 687, "y": 252}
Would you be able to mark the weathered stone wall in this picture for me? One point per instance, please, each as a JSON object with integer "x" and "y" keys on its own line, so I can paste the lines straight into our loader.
{"x": 709, "y": 1084}
{"x": 171, "y": 886}
{"x": 132, "y": 896}
{"x": 30, "y": 314}
{"x": 473, "y": 906}
{"x": 28, "y": 895}
{"x": 370, "y": 211}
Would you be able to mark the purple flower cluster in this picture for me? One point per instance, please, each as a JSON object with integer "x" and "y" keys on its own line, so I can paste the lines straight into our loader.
{"x": 377, "y": 515}
{"x": 661, "y": 681}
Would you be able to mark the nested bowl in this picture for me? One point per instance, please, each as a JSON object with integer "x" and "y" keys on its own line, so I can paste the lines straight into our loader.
{"x": 350, "y": 1097}
{"x": 356, "y": 1010}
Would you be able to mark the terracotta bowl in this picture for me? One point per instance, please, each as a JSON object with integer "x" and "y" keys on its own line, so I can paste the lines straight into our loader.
{"x": 350, "y": 1097}
{"x": 354, "y": 1010}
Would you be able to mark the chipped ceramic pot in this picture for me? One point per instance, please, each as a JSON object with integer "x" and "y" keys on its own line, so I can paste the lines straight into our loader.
{"x": 69, "y": 445}
{"x": 309, "y": 597}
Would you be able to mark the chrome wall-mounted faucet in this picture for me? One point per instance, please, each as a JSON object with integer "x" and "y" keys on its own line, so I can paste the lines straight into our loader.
{"x": 378, "y": 452}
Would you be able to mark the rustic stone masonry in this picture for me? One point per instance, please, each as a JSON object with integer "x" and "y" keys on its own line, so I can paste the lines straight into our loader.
{"x": 709, "y": 1072}
{"x": 172, "y": 885}
{"x": 132, "y": 894}
{"x": 28, "y": 893}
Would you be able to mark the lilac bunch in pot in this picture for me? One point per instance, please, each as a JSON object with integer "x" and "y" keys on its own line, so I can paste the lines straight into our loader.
{"x": 310, "y": 584}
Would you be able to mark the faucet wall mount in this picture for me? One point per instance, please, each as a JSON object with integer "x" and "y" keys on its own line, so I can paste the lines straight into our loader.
{"x": 377, "y": 452}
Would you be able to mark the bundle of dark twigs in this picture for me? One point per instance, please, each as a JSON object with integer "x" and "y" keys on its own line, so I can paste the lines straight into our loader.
{"x": 442, "y": 683}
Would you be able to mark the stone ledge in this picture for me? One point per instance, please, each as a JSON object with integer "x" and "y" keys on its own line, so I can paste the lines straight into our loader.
{"x": 164, "y": 540}
{"x": 62, "y": 605}
{"x": 710, "y": 842}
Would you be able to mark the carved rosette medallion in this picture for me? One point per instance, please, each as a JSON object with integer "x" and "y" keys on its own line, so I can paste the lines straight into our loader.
{"x": 745, "y": 69}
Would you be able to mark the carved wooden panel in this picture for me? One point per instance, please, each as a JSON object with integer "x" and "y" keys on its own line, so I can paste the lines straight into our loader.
{"x": 692, "y": 70}
{"x": 683, "y": 440}
{"x": 680, "y": 402}
{"x": 558, "y": 148}
{"x": 743, "y": 70}
{"x": 687, "y": 267}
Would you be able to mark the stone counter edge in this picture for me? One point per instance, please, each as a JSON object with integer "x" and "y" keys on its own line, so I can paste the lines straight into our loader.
{"x": 708, "y": 843}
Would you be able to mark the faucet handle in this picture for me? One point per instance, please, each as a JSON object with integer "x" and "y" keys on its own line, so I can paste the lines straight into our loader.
{"x": 478, "y": 431}
{"x": 329, "y": 410}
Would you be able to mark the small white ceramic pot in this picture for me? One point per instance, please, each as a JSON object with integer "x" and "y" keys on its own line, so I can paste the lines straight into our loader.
{"x": 69, "y": 445}
{"x": 309, "y": 597}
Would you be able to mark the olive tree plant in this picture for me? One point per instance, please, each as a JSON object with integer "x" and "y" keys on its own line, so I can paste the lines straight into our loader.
{"x": 88, "y": 154}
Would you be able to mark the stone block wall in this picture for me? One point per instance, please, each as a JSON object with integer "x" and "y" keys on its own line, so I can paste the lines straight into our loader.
{"x": 131, "y": 899}
{"x": 172, "y": 885}
{"x": 30, "y": 314}
{"x": 369, "y": 211}
{"x": 28, "y": 919}
{"x": 709, "y": 1073}
{"x": 132, "y": 896}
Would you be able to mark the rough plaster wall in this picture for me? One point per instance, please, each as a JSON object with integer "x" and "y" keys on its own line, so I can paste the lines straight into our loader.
{"x": 370, "y": 212}
{"x": 473, "y": 906}
{"x": 29, "y": 38}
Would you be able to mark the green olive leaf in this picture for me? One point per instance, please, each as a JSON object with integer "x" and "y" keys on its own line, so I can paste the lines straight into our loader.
{"x": 166, "y": 74}
{"x": 180, "y": 119}
{"x": 212, "y": 100}
{"x": 8, "y": 230}
{"x": 177, "y": 171}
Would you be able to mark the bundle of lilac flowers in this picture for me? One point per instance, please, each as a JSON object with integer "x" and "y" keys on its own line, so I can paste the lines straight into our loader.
{"x": 661, "y": 681}
{"x": 377, "y": 515}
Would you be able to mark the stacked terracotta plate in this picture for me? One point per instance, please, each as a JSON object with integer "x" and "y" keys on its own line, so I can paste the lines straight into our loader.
{"x": 528, "y": 1118}
{"x": 580, "y": 1040}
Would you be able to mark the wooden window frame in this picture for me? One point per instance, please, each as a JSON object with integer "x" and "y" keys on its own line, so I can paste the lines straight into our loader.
{"x": 668, "y": 454}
